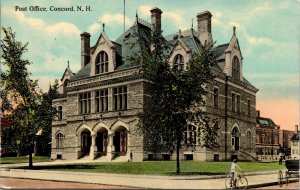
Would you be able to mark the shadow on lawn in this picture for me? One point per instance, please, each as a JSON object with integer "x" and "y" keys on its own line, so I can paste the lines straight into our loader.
{"x": 62, "y": 167}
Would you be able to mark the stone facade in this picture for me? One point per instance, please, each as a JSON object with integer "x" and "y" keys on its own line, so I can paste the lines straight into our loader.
{"x": 100, "y": 104}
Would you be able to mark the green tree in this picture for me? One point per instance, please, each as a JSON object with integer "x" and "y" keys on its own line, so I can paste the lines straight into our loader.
{"x": 46, "y": 113}
{"x": 177, "y": 98}
{"x": 20, "y": 97}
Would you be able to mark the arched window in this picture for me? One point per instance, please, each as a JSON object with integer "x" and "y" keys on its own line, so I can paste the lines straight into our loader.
{"x": 101, "y": 63}
{"x": 59, "y": 140}
{"x": 236, "y": 68}
{"x": 235, "y": 138}
{"x": 178, "y": 64}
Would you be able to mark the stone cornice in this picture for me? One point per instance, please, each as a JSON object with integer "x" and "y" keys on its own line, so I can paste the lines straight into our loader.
{"x": 106, "y": 79}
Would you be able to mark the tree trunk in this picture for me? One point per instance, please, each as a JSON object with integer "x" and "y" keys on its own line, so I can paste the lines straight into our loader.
{"x": 30, "y": 156}
{"x": 177, "y": 159}
{"x": 177, "y": 151}
{"x": 30, "y": 159}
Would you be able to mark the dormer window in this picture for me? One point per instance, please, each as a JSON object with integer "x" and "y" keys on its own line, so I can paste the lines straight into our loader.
{"x": 101, "y": 63}
{"x": 178, "y": 64}
{"x": 236, "y": 68}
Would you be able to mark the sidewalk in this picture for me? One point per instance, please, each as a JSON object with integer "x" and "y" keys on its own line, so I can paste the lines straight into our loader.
{"x": 256, "y": 179}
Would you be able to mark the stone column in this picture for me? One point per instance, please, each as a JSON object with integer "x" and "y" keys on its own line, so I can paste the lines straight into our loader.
{"x": 93, "y": 147}
{"x": 110, "y": 146}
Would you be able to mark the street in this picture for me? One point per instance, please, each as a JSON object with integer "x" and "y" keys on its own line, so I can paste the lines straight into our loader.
{"x": 7, "y": 183}
{"x": 294, "y": 185}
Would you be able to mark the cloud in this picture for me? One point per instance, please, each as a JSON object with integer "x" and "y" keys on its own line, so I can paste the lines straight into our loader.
{"x": 259, "y": 40}
{"x": 58, "y": 28}
{"x": 145, "y": 9}
{"x": 216, "y": 18}
{"x": 94, "y": 28}
{"x": 114, "y": 19}
{"x": 63, "y": 27}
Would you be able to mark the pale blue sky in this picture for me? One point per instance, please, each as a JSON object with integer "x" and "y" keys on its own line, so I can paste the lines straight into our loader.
{"x": 268, "y": 33}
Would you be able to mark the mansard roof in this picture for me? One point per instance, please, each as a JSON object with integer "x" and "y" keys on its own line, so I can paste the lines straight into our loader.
{"x": 130, "y": 43}
{"x": 268, "y": 122}
{"x": 83, "y": 72}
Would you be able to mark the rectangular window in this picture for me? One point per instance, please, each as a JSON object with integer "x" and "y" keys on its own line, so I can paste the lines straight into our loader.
{"x": 85, "y": 103}
{"x": 233, "y": 102}
{"x": 120, "y": 98}
{"x": 102, "y": 100}
{"x": 216, "y": 97}
{"x": 238, "y": 103}
{"x": 59, "y": 112}
{"x": 248, "y": 106}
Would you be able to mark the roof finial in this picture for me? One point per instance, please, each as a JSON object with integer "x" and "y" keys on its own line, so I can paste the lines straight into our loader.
{"x": 136, "y": 14}
{"x": 179, "y": 34}
{"x": 234, "y": 28}
{"x": 68, "y": 64}
{"x": 103, "y": 26}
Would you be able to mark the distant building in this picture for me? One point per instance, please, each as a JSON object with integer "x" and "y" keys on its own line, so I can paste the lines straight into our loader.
{"x": 285, "y": 141}
{"x": 267, "y": 138}
{"x": 5, "y": 144}
{"x": 99, "y": 106}
{"x": 295, "y": 144}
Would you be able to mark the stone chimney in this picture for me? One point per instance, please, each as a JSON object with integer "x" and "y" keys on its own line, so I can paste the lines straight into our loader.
{"x": 296, "y": 129}
{"x": 204, "y": 27}
{"x": 156, "y": 19}
{"x": 85, "y": 49}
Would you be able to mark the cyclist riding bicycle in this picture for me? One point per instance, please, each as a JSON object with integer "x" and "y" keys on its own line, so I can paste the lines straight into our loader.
{"x": 233, "y": 170}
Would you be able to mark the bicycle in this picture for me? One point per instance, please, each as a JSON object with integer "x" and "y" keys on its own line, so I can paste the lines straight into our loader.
{"x": 241, "y": 182}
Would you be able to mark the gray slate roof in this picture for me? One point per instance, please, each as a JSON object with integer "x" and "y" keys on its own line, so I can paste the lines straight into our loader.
{"x": 129, "y": 44}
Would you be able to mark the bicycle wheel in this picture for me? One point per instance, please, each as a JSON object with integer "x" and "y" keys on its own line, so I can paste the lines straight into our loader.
{"x": 242, "y": 182}
{"x": 228, "y": 182}
{"x": 287, "y": 175}
{"x": 280, "y": 178}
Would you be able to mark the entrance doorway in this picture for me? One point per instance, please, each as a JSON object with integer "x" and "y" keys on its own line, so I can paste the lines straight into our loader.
{"x": 101, "y": 142}
{"x": 120, "y": 140}
{"x": 235, "y": 139}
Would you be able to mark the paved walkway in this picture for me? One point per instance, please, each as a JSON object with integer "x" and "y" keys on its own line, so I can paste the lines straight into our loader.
{"x": 142, "y": 181}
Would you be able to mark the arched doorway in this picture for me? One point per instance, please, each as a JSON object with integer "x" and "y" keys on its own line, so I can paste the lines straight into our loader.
{"x": 120, "y": 140}
{"x": 235, "y": 139}
{"x": 102, "y": 142}
{"x": 85, "y": 142}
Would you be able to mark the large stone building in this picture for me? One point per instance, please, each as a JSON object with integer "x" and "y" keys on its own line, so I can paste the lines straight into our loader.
{"x": 99, "y": 105}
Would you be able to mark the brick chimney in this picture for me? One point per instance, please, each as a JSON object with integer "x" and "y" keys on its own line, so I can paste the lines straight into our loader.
{"x": 204, "y": 27}
{"x": 257, "y": 113}
{"x": 296, "y": 129}
{"x": 85, "y": 49}
{"x": 156, "y": 19}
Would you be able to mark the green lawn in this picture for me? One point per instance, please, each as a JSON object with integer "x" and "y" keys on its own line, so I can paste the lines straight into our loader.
{"x": 163, "y": 167}
{"x": 22, "y": 159}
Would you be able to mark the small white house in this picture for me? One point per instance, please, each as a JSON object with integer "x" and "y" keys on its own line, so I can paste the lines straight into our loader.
{"x": 295, "y": 145}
